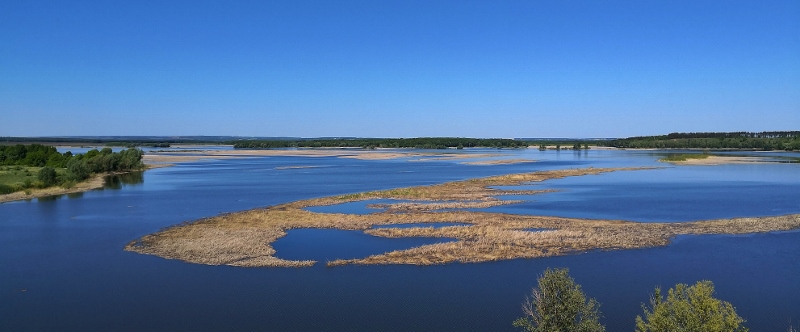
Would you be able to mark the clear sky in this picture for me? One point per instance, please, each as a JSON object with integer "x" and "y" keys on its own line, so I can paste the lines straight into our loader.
{"x": 406, "y": 68}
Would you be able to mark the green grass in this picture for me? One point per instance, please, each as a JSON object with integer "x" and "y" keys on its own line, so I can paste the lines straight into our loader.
{"x": 684, "y": 157}
{"x": 17, "y": 178}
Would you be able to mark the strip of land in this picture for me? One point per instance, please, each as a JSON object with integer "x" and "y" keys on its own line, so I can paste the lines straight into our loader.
{"x": 245, "y": 238}
{"x": 499, "y": 162}
{"x": 95, "y": 182}
{"x": 721, "y": 160}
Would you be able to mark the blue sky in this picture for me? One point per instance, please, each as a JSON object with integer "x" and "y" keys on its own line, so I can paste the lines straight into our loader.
{"x": 398, "y": 68}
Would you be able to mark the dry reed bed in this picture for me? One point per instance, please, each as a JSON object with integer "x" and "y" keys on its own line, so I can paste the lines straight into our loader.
{"x": 244, "y": 238}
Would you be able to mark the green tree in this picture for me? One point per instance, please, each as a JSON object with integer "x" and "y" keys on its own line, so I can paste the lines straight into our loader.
{"x": 559, "y": 305}
{"x": 77, "y": 169}
{"x": 690, "y": 309}
{"x": 48, "y": 176}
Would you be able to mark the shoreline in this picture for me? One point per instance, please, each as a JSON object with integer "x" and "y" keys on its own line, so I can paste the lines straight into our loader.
{"x": 713, "y": 160}
{"x": 244, "y": 238}
{"x": 97, "y": 181}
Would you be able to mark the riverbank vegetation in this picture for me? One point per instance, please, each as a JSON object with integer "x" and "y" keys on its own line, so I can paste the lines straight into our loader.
{"x": 37, "y": 166}
{"x": 416, "y": 143}
{"x": 245, "y": 238}
{"x": 763, "y": 141}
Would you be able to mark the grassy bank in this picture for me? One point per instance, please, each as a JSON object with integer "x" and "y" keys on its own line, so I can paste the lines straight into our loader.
{"x": 23, "y": 178}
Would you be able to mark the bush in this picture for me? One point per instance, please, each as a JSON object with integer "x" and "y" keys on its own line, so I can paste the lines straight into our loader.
{"x": 558, "y": 304}
{"x": 689, "y": 309}
{"x": 48, "y": 176}
{"x": 6, "y": 189}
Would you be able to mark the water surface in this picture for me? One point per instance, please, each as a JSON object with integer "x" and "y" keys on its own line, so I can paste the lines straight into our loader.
{"x": 63, "y": 267}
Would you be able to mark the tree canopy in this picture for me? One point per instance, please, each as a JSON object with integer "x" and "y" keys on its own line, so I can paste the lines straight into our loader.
{"x": 75, "y": 167}
{"x": 689, "y": 309}
{"x": 559, "y": 305}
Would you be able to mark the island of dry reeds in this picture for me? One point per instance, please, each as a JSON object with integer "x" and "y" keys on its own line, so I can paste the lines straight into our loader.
{"x": 245, "y": 238}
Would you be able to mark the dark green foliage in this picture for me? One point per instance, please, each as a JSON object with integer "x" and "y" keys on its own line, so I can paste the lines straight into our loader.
{"x": 92, "y": 153}
{"x": 48, "y": 176}
{"x": 6, "y": 189}
{"x": 418, "y": 143}
{"x": 36, "y": 155}
{"x": 78, "y": 167}
{"x": 779, "y": 140}
{"x": 559, "y": 305}
{"x": 690, "y": 309}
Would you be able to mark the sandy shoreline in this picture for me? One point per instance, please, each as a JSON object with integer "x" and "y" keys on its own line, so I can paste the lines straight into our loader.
{"x": 723, "y": 160}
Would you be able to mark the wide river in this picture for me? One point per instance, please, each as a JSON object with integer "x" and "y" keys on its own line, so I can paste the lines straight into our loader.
{"x": 63, "y": 268}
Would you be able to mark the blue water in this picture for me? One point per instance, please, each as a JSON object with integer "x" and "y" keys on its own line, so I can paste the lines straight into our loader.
{"x": 673, "y": 194}
{"x": 66, "y": 253}
{"x": 324, "y": 245}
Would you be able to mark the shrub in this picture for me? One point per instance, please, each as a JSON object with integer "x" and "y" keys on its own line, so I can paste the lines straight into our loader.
{"x": 6, "y": 189}
{"x": 48, "y": 176}
{"x": 690, "y": 309}
{"x": 559, "y": 305}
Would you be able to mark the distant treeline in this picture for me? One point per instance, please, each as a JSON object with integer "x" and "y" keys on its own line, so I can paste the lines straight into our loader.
{"x": 78, "y": 167}
{"x": 139, "y": 144}
{"x": 417, "y": 143}
{"x": 764, "y": 141}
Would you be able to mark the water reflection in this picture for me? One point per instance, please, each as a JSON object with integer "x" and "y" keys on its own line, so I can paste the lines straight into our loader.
{"x": 113, "y": 182}
{"x": 50, "y": 198}
{"x": 117, "y": 181}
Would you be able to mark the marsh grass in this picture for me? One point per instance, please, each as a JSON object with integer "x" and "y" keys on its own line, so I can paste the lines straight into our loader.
{"x": 245, "y": 238}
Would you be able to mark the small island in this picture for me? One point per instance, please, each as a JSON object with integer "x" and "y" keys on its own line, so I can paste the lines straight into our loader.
{"x": 244, "y": 238}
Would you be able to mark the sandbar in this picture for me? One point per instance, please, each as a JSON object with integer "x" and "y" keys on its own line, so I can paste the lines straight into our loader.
{"x": 722, "y": 160}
